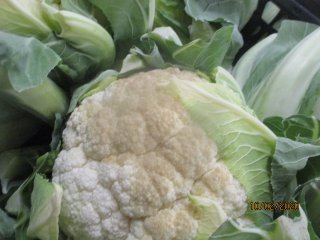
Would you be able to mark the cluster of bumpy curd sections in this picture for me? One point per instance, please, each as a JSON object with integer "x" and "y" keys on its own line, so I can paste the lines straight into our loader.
{"x": 132, "y": 156}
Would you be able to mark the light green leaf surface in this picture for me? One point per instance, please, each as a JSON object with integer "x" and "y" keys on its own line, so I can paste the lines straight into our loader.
{"x": 245, "y": 144}
{"x": 27, "y": 61}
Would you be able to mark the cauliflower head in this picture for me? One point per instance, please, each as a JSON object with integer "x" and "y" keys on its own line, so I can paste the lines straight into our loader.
{"x": 133, "y": 155}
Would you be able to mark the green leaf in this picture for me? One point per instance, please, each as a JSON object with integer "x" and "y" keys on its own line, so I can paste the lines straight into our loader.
{"x": 283, "y": 228}
{"x": 297, "y": 127}
{"x": 171, "y": 13}
{"x": 82, "y": 7}
{"x": 310, "y": 102}
{"x": 17, "y": 163}
{"x": 56, "y": 135}
{"x": 289, "y": 158}
{"x": 45, "y": 209}
{"x": 19, "y": 202}
{"x": 27, "y": 61}
{"x": 232, "y": 230}
{"x": 129, "y": 18}
{"x": 76, "y": 66}
{"x": 98, "y": 84}
{"x": 209, "y": 215}
{"x": 201, "y": 30}
{"x": 235, "y": 44}
{"x": 223, "y": 77}
{"x": 244, "y": 143}
{"x": 23, "y": 18}
{"x": 231, "y": 11}
{"x": 205, "y": 56}
{"x": 16, "y": 126}
{"x": 153, "y": 59}
{"x": 308, "y": 196}
{"x": 286, "y": 78}
{"x": 272, "y": 70}
{"x": 289, "y": 35}
{"x": 165, "y": 38}
{"x": 6, "y": 226}
{"x": 81, "y": 33}
{"x": 132, "y": 63}
{"x": 248, "y": 61}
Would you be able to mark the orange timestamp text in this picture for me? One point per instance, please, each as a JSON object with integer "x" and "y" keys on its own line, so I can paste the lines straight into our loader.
{"x": 274, "y": 206}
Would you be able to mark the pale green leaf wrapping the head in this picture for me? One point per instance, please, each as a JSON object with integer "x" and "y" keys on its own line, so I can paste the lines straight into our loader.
{"x": 209, "y": 214}
{"x": 244, "y": 143}
{"x": 45, "y": 209}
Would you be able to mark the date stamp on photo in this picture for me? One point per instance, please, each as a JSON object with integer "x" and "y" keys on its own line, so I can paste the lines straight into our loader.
{"x": 274, "y": 206}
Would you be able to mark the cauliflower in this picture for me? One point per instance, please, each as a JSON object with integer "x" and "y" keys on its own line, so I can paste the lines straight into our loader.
{"x": 133, "y": 155}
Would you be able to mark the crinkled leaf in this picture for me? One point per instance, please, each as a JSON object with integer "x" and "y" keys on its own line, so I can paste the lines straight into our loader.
{"x": 76, "y": 65}
{"x": 129, "y": 19}
{"x": 297, "y": 127}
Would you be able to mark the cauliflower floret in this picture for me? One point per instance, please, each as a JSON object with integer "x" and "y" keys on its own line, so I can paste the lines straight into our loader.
{"x": 131, "y": 154}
